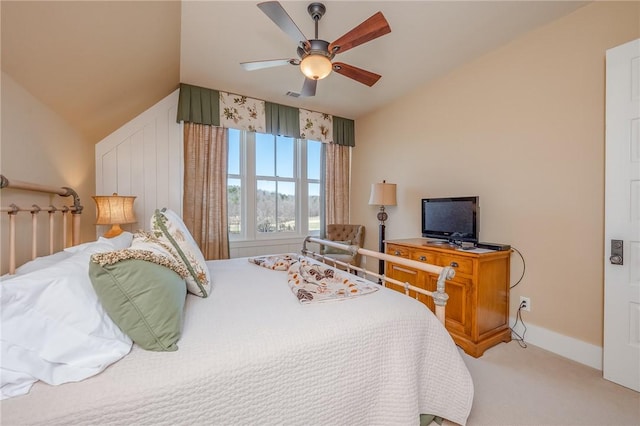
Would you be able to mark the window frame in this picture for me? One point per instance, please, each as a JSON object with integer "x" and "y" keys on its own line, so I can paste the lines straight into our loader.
{"x": 249, "y": 181}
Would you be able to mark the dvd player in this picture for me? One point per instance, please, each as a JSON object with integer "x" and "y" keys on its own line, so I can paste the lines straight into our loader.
{"x": 494, "y": 246}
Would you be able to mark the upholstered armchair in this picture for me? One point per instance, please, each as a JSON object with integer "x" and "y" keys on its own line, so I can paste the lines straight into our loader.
{"x": 345, "y": 234}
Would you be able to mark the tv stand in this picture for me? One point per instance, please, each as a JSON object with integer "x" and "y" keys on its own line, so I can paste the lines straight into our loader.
{"x": 477, "y": 313}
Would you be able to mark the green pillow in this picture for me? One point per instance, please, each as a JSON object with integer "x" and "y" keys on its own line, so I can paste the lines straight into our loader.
{"x": 331, "y": 250}
{"x": 144, "y": 299}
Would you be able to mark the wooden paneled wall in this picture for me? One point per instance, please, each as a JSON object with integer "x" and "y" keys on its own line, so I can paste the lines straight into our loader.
{"x": 144, "y": 159}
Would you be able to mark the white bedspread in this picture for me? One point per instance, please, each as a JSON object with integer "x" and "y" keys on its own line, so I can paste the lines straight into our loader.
{"x": 251, "y": 354}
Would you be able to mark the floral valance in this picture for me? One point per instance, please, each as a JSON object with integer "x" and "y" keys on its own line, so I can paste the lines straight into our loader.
{"x": 198, "y": 105}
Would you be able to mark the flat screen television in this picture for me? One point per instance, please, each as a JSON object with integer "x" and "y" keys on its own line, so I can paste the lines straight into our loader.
{"x": 454, "y": 219}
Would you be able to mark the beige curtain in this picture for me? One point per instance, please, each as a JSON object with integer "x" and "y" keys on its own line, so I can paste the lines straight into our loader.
{"x": 336, "y": 183}
{"x": 205, "y": 188}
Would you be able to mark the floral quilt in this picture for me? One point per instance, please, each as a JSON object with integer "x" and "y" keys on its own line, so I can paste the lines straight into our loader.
{"x": 313, "y": 282}
{"x": 279, "y": 262}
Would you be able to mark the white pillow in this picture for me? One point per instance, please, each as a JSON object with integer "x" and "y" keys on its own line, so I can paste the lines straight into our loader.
{"x": 122, "y": 241}
{"x": 42, "y": 262}
{"x": 54, "y": 328}
{"x": 169, "y": 228}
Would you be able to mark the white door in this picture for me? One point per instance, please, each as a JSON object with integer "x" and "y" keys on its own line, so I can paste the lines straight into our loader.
{"x": 621, "y": 361}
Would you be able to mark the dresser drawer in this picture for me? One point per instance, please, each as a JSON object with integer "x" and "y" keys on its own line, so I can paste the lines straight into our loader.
{"x": 424, "y": 256}
{"x": 464, "y": 265}
{"x": 399, "y": 251}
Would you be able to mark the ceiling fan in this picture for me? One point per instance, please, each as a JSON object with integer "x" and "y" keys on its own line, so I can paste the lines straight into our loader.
{"x": 315, "y": 55}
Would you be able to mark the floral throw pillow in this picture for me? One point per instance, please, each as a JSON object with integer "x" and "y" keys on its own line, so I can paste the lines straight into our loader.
{"x": 168, "y": 227}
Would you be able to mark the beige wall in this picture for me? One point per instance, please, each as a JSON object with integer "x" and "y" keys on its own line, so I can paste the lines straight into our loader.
{"x": 523, "y": 128}
{"x": 36, "y": 145}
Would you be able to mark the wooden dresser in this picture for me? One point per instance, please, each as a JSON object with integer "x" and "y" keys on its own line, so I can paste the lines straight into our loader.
{"x": 477, "y": 313}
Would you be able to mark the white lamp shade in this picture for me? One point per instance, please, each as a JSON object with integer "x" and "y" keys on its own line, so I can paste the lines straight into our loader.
{"x": 316, "y": 67}
{"x": 383, "y": 194}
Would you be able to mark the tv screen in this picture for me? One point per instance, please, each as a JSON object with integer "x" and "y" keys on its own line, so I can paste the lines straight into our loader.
{"x": 453, "y": 219}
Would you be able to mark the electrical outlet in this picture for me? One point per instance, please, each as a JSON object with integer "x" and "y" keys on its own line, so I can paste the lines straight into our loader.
{"x": 525, "y": 303}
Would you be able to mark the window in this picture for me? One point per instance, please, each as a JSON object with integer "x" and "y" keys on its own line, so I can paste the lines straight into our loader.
{"x": 273, "y": 186}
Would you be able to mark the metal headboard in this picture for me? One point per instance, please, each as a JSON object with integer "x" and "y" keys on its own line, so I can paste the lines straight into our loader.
{"x": 34, "y": 209}
{"x": 439, "y": 296}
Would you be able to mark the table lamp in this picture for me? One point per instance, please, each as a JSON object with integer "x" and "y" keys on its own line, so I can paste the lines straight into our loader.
{"x": 114, "y": 210}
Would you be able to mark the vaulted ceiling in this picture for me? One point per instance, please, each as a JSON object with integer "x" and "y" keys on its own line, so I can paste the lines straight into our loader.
{"x": 100, "y": 63}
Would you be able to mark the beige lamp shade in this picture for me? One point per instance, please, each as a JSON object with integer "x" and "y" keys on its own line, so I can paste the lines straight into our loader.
{"x": 316, "y": 67}
{"x": 383, "y": 194}
{"x": 114, "y": 210}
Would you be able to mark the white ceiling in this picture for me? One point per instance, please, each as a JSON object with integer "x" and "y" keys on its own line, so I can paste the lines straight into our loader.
{"x": 100, "y": 63}
{"x": 427, "y": 39}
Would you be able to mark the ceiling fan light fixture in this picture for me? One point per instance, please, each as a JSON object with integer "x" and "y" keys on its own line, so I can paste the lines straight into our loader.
{"x": 316, "y": 54}
{"x": 316, "y": 67}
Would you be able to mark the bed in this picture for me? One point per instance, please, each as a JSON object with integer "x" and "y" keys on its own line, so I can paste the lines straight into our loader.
{"x": 252, "y": 352}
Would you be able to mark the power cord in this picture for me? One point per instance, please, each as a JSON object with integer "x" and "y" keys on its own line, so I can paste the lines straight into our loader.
{"x": 518, "y": 338}
{"x": 524, "y": 267}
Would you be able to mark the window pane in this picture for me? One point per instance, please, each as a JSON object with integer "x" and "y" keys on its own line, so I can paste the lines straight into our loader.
{"x": 234, "y": 205}
{"x": 284, "y": 157}
{"x": 266, "y": 206}
{"x": 234, "y": 152}
{"x": 314, "y": 207}
{"x": 277, "y": 184}
{"x": 313, "y": 159}
{"x": 286, "y": 206}
{"x": 265, "y": 155}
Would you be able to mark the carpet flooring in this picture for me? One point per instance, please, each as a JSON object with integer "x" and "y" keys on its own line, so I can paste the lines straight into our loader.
{"x": 531, "y": 386}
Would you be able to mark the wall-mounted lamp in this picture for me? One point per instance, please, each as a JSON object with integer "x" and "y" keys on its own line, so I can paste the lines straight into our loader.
{"x": 382, "y": 194}
{"x": 114, "y": 210}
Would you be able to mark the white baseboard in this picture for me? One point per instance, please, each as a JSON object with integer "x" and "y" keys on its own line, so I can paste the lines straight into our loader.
{"x": 568, "y": 347}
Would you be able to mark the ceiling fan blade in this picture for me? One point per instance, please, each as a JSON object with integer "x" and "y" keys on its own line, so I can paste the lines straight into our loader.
{"x": 358, "y": 74}
{"x": 309, "y": 87}
{"x": 258, "y": 65}
{"x": 374, "y": 27}
{"x": 281, "y": 18}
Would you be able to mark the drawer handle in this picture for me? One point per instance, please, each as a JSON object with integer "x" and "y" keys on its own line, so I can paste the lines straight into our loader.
{"x": 397, "y": 253}
{"x": 422, "y": 258}
{"x": 408, "y": 271}
{"x": 454, "y": 264}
